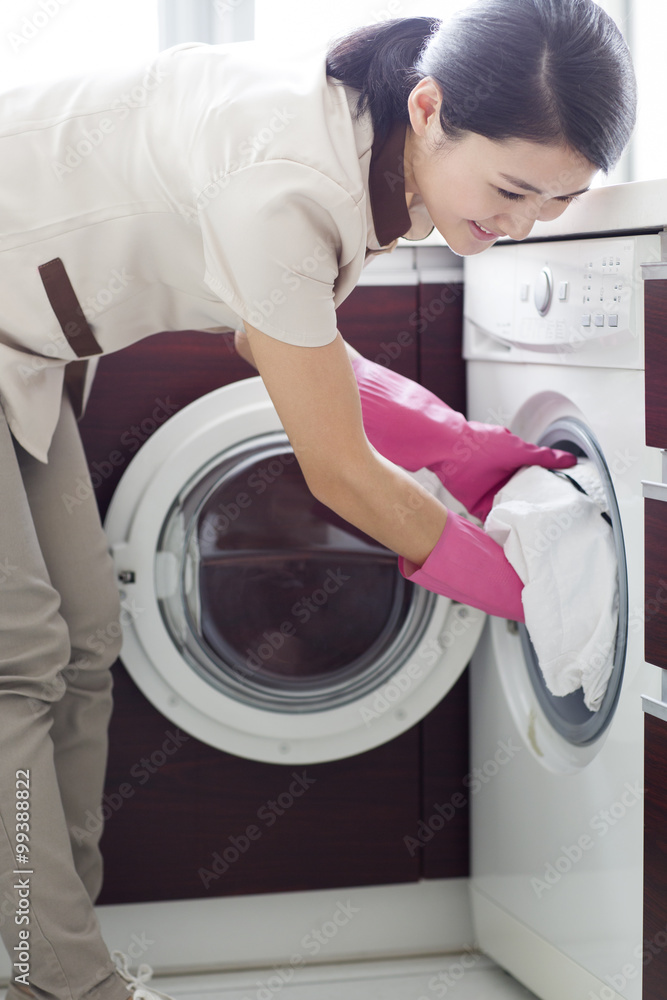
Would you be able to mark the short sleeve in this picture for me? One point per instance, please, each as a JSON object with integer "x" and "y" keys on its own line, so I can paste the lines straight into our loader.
{"x": 275, "y": 235}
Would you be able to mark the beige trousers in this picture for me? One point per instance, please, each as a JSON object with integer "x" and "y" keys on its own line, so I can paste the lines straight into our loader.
{"x": 59, "y": 635}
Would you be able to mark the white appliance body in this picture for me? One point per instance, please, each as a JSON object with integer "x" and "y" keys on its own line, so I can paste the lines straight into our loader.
{"x": 557, "y": 841}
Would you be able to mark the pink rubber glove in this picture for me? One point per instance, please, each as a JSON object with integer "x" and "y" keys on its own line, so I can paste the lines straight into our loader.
{"x": 470, "y": 567}
{"x": 414, "y": 429}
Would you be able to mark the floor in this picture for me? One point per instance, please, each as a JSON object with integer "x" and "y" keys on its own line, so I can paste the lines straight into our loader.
{"x": 468, "y": 976}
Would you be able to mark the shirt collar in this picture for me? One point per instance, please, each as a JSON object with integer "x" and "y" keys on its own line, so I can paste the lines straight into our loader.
{"x": 386, "y": 185}
{"x": 386, "y": 188}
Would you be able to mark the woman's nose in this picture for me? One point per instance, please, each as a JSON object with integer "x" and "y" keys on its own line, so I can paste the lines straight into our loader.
{"x": 518, "y": 227}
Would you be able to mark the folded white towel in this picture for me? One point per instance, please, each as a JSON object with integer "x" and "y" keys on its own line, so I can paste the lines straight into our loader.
{"x": 562, "y": 548}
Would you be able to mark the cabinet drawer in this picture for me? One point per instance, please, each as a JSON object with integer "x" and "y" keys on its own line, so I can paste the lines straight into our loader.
{"x": 439, "y": 326}
{"x": 655, "y": 311}
{"x": 654, "y": 954}
{"x": 378, "y": 320}
{"x": 655, "y": 587}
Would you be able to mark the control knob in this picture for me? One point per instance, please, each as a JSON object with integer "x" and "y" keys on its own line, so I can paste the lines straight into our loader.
{"x": 544, "y": 288}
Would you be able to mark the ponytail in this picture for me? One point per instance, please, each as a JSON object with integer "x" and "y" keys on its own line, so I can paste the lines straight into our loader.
{"x": 378, "y": 60}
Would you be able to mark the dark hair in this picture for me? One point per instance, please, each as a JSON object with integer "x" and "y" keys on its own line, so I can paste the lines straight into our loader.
{"x": 547, "y": 71}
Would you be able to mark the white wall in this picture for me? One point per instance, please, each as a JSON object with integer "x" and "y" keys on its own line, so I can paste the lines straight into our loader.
{"x": 299, "y": 23}
{"x": 45, "y": 39}
{"x": 649, "y": 35}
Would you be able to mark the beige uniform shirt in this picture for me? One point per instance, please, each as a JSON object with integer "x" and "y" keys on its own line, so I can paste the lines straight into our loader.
{"x": 214, "y": 186}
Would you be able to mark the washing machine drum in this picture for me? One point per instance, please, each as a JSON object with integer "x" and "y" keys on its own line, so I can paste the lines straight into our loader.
{"x": 253, "y": 616}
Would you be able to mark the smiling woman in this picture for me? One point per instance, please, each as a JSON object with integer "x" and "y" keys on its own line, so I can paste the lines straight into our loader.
{"x": 232, "y": 188}
{"x": 520, "y": 123}
{"x": 540, "y": 182}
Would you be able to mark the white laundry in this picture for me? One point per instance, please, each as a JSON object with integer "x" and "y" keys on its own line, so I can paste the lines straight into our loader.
{"x": 563, "y": 550}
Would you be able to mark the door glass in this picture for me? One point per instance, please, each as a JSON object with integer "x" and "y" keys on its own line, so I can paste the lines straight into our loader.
{"x": 271, "y": 595}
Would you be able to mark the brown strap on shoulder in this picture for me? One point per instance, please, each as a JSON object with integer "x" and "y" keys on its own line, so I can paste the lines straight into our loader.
{"x": 74, "y": 325}
{"x": 66, "y": 306}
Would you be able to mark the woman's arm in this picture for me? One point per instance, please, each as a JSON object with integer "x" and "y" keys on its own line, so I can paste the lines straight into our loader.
{"x": 315, "y": 394}
{"x": 242, "y": 348}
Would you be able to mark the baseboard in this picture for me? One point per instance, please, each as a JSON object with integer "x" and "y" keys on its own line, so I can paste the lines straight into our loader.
{"x": 431, "y": 917}
{"x": 549, "y": 973}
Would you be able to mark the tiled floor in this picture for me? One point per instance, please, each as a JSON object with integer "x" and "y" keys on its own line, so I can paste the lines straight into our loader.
{"x": 457, "y": 977}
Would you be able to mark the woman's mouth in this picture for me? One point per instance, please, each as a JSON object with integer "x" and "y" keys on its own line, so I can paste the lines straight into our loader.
{"x": 480, "y": 233}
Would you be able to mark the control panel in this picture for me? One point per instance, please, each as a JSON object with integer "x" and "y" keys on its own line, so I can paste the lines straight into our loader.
{"x": 574, "y": 293}
{"x": 580, "y": 297}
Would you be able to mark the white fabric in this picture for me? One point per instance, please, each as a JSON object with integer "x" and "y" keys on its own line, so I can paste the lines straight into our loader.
{"x": 217, "y": 185}
{"x": 562, "y": 548}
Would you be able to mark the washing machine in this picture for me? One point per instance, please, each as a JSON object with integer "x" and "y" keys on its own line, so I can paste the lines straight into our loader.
{"x": 269, "y": 627}
{"x": 553, "y": 337}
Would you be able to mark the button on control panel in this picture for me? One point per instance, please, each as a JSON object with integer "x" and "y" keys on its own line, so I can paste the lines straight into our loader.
{"x": 602, "y": 287}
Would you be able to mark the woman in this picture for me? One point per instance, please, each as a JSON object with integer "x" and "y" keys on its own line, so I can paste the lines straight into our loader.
{"x": 223, "y": 188}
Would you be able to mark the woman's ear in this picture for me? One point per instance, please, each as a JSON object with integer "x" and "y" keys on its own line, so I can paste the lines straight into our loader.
{"x": 424, "y": 105}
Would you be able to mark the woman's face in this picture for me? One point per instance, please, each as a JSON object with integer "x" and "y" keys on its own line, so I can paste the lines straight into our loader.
{"x": 476, "y": 189}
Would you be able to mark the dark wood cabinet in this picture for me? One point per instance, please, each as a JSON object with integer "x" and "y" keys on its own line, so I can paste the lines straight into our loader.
{"x": 655, "y": 536}
{"x": 655, "y": 582}
{"x": 180, "y": 816}
{"x": 655, "y": 320}
{"x": 379, "y": 321}
{"x": 654, "y": 954}
{"x": 439, "y": 326}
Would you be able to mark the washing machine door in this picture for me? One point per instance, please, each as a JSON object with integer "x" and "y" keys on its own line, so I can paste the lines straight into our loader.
{"x": 253, "y": 616}
{"x": 561, "y": 732}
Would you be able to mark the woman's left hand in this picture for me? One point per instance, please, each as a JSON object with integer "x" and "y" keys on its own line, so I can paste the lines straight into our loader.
{"x": 413, "y": 428}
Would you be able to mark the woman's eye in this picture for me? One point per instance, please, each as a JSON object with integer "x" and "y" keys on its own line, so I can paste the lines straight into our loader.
{"x": 510, "y": 195}
{"x": 568, "y": 198}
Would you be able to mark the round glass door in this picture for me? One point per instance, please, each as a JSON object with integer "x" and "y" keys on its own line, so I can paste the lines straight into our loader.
{"x": 272, "y": 598}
